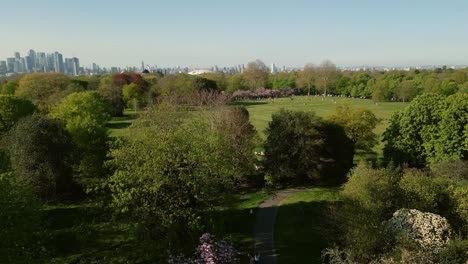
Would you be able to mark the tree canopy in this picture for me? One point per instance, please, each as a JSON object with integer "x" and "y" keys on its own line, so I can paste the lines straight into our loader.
{"x": 44, "y": 89}
{"x": 41, "y": 154}
{"x": 85, "y": 115}
{"x": 12, "y": 109}
{"x": 431, "y": 128}
{"x": 359, "y": 124}
{"x": 302, "y": 147}
{"x": 173, "y": 167}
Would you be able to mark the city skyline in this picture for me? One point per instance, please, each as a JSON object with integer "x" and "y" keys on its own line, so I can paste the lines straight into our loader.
{"x": 55, "y": 62}
{"x": 206, "y": 33}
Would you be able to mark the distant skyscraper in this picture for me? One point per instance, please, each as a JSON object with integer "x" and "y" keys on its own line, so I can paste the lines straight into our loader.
{"x": 68, "y": 66}
{"x": 142, "y": 65}
{"x": 58, "y": 62}
{"x": 273, "y": 68}
{"x": 75, "y": 66}
{"x": 41, "y": 62}
{"x": 33, "y": 59}
{"x": 3, "y": 67}
{"x": 27, "y": 64}
{"x": 17, "y": 66}
{"x": 50, "y": 62}
{"x": 11, "y": 64}
{"x": 17, "y": 55}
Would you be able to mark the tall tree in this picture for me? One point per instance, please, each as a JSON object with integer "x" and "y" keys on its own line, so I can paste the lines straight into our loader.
{"x": 326, "y": 75}
{"x": 256, "y": 74}
{"x": 307, "y": 77}
{"x": 85, "y": 116}
{"x": 406, "y": 90}
{"x": 41, "y": 155}
{"x": 412, "y": 132}
{"x": 301, "y": 147}
{"x": 359, "y": 124}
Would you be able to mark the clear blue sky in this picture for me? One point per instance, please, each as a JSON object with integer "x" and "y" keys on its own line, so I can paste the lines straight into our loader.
{"x": 204, "y": 32}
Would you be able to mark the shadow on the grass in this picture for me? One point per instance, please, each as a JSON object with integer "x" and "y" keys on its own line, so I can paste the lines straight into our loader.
{"x": 303, "y": 230}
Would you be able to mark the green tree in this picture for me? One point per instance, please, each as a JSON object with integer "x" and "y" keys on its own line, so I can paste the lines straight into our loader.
{"x": 410, "y": 134}
{"x": 326, "y": 76}
{"x": 380, "y": 90}
{"x": 236, "y": 82}
{"x": 41, "y": 155}
{"x": 168, "y": 172}
{"x": 459, "y": 77}
{"x": 359, "y": 124}
{"x": 282, "y": 80}
{"x": 19, "y": 222}
{"x": 44, "y": 89}
{"x": 9, "y": 88}
{"x": 85, "y": 116}
{"x": 12, "y": 109}
{"x": 256, "y": 75}
{"x": 452, "y": 138}
{"x": 237, "y": 137}
{"x": 300, "y": 147}
{"x": 307, "y": 78}
{"x": 132, "y": 95}
{"x": 220, "y": 79}
{"x": 406, "y": 90}
{"x": 113, "y": 95}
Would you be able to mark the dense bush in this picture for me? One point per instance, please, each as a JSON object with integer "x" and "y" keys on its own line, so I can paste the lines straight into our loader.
{"x": 372, "y": 196}
{"x": 12, "y": 109}
{"x": 41, "y": 154}
{"x": 302, "y": 147}
{"x": 19, "y": 222}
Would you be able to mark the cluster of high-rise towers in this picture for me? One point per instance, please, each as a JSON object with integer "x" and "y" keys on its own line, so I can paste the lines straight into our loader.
{"x": 40, "y": 62}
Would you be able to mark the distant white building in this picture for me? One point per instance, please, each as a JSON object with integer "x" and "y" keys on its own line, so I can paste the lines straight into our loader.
{"x": 200, "y": 71}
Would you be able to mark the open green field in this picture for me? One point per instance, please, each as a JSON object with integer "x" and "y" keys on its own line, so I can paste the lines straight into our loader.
{"x": 261, "y": 110}
{"x": 301, "y": 225}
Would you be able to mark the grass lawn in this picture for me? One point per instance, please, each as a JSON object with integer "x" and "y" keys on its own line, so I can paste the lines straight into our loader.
{"x": 118, "y": 125}
{"x": 261, "y": 110}
{"x": 300, "y": 225}
{"x": 235, "y": 222}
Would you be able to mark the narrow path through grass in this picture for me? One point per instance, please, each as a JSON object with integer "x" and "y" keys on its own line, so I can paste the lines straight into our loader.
{"x": 300, "y": 231}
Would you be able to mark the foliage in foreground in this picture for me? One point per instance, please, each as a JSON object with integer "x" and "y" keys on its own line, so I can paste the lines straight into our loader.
{"x": 209, "y": 251}
{"x": 171, "y": 170}
{"x": 19, "y": 221}
{"x": 370, "y": 198}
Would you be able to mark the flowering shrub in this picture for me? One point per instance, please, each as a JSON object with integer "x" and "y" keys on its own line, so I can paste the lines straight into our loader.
{"x": 210, "y": 251}
{"x": 432, "y": 232}
{"x": 262, "y": 93}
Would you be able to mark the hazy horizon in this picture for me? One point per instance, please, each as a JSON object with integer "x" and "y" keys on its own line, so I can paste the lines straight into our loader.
{"x": 206, "y": 33}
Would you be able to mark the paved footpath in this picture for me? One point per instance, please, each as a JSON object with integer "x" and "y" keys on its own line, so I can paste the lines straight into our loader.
{"x": 265, "y": 225}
